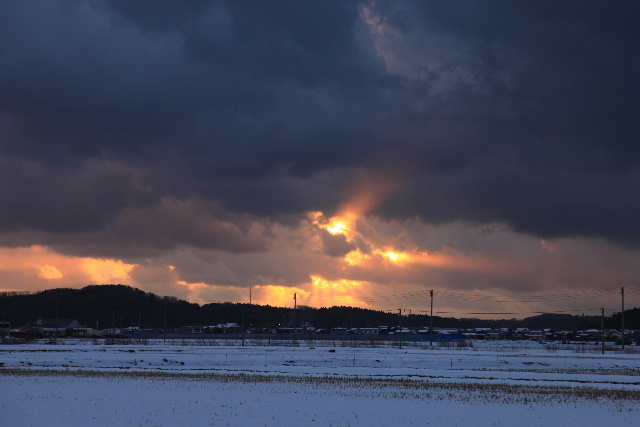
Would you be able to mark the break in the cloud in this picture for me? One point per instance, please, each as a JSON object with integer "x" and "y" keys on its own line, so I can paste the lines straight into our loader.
{"x": 350, "y": 150}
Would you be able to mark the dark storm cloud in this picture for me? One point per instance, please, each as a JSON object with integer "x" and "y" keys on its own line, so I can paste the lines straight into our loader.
{"x": 335, "y": 245}
{"x": 73, "y": 199}
{"x": 524, "y": 113}
{"x": 139, "y": 234}
{"x": 538, "y": 124}
{"x": 230, "y": 89}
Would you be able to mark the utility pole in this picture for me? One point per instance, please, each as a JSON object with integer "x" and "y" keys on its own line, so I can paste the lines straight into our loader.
{"x": 243, "y": 328}
{"x": 622, "y": 316}
{"x": 295, "y": 308}
{"x": 431, "y": 320}
{"x": 249, "y": 295}
{"x": 400, "y": 325}
{"x": 56, "y": 337}
{"x": 269, "y": 325}
{"x": 602, "y": 330}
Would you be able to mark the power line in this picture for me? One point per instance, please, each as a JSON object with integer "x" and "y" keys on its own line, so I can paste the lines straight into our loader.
{"x": 493, "y": 298}
{"x": 523, "y": 312}
{"x": 453, "y": 295}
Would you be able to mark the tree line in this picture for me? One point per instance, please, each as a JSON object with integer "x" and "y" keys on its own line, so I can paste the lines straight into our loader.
{"x": 104, "y": 306}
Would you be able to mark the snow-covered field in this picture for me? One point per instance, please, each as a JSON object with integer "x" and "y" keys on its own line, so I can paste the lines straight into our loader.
{"x": 80, "y": 383}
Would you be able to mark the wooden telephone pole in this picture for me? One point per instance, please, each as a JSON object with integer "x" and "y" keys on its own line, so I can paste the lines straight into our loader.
{"x": 622, "y": 315}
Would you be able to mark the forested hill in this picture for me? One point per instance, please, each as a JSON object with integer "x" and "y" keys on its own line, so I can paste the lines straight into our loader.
{"x": 103, "y": 305}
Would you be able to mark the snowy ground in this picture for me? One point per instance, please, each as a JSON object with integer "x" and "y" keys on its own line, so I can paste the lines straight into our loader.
{"x": 80, "y": 383}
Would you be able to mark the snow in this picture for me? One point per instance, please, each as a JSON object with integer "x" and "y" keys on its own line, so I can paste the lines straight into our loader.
{"x": 80, "y": 383}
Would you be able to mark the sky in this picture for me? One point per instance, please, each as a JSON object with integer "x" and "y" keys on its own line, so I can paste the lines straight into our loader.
{"x": 357, "y": 153}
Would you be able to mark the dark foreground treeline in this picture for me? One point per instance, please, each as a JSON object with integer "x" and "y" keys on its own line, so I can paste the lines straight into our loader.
{"x": 104, "y": 306}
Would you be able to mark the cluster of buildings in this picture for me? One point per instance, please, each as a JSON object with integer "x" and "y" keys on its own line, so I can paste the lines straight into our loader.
{"x": 610, "y": 335}
{"x": 72, "y": 328}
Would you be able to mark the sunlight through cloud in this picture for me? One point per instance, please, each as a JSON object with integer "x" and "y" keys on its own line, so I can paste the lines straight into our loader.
{"x": 48, "y": 271}
{"x": 106, "y": 270}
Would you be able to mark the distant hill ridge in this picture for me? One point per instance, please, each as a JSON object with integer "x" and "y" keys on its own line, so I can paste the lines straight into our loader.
{"x": 102, "y": 306}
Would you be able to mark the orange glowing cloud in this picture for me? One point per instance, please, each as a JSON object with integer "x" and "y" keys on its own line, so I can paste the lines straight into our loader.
{"x": 318, "y": 292}
{"x": 194, "y": 292}
{"x": 336, "y": 292}
{"x": 370, "y": 191}
{"x": 192, "y": 286}
{"x": 37, "y": 265}
{"x": 50, "y": 272}
{"x": 372, "y": 251}
{"x": 337, "y": 226}
{"x": 439, "y": 260}
{"x": 367, "y": 193}
{"x": 397, "y": 257}
{"x": 277, "y": 295}
{"x": 344, "y": 225}
{"x": 385, "y": 253}
{"x": 106, "y": 270}
{"x": 357, "y": 257}
{"x": 342, "y": 285}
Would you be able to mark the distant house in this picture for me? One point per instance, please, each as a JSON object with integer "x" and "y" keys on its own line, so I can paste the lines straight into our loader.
{"x": 537, "y": 335}
{"x": 57, "y": 323}
{"x": 190, "y": 330}
{"x": 442, "y": 331}
{"x": 88, "y": 332}
{"x": 520, "y": 334}
{"x": 364, "y": 331}
{"x": 224, "y": 328}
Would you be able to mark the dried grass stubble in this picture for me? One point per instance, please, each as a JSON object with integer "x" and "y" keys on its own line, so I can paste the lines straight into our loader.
{"x": 384, "y": 387}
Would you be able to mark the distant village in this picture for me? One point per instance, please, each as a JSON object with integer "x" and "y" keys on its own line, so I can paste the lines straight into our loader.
{"x": 71, "y": 328}
{"x": 120, "y": 312}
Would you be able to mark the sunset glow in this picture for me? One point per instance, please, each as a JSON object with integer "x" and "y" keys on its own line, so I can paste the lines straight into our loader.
{"x": 355, "y": 257}
{"x": 335, "y": 292}
{"x": 50, "y": 272}
{"x": 368, "y": 149}
{"x": 277, "y": 295}
{"x": 344, "y": 224}
{"x": 318, "y": 292}
{"x": 337, "y": 227}
{"x": 192, "y": 286}
{"x": 106, "y": 270}
{"x": 397, "y": 257}
{"x": 39, "y": 265}
{"x": 342, "y": 279}
{"x": 342, "y": 285}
